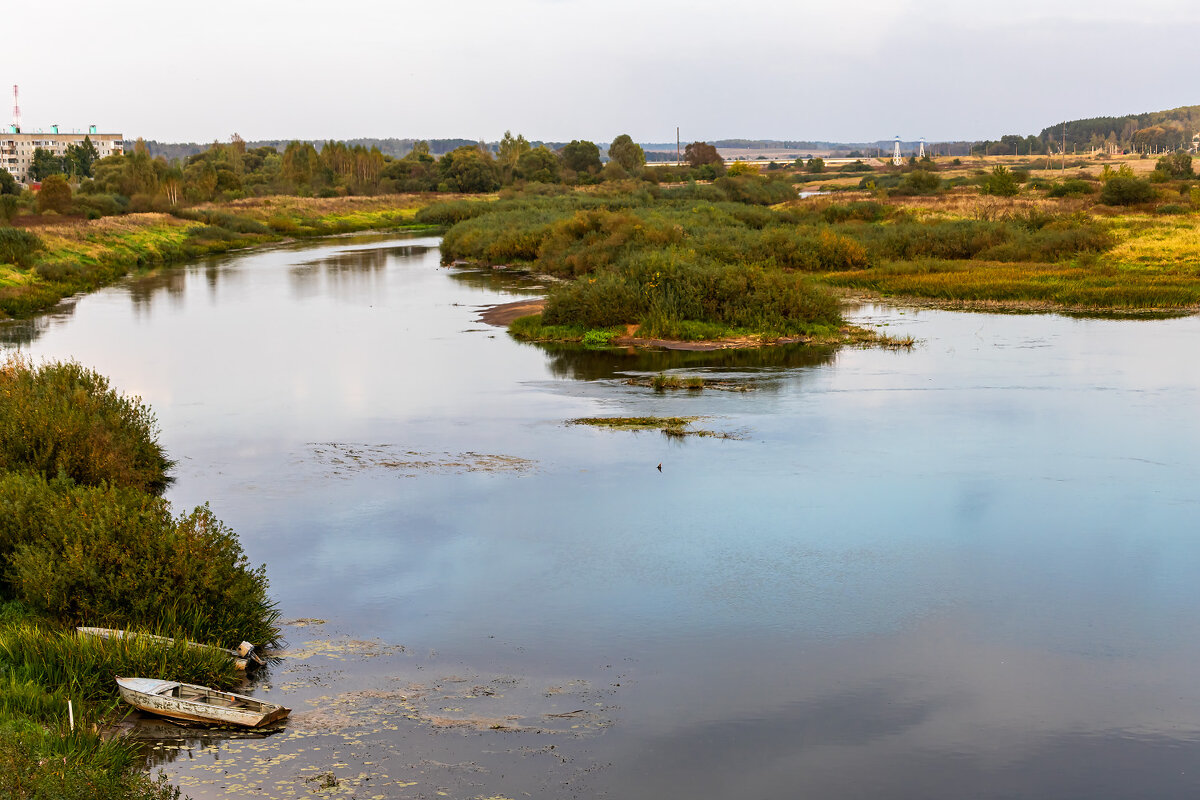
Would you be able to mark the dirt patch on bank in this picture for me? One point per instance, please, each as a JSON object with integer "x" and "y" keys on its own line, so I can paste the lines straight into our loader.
{"x": 503, "y": 315}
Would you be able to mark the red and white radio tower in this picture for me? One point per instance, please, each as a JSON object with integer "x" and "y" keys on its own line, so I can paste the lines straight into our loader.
{"x": 16, "y": 110}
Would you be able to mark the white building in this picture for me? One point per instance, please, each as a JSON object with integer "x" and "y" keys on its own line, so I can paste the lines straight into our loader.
{"x": 16, "y": 147}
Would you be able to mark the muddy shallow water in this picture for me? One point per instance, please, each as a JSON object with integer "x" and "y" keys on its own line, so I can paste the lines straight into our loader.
{"x": 965, "y": 570}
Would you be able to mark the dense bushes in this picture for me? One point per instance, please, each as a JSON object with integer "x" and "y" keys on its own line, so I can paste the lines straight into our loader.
{"x": 82, "y": 537}
{"x": 95, "y": 555}
{"x": 17, "y": 246}
{"x": 664, "y": 291}
{"x": 1071, "y": 187}
{"x": 949, "y": 240}
{"x": 1126, "y": 191}
{"x": 65, "y": 419}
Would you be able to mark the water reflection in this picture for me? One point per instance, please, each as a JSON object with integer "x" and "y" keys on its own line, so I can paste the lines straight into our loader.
{"x": 23, "y": 332}
{"x": 143, "y": 290}
{"x": 588, "y": 364}
{"x": 508, "y": 281}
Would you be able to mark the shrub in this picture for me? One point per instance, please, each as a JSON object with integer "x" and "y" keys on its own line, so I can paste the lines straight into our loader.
{"x": 663, "y": 290}
{"x": 115, "y": 557}
{"x": 1071, "y": 187}
{"x": 55, "y": 195}
{"x": 17, "y": 246}
{"x": 918, "y": 182}
{"x": 1125, "y": 191}
{"x": 959, "y": 239}
{"x": 857, "y": 166}
{"x": 1001, "y": 183}
{"x": 60, "y": 418}
{"x": 864, "y": 210}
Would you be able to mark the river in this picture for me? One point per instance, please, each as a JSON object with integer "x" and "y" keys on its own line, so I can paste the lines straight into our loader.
{"x": 965, "y": 570}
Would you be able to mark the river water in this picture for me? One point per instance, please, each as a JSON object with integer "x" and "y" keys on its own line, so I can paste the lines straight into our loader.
{"x": 967, "y": 570}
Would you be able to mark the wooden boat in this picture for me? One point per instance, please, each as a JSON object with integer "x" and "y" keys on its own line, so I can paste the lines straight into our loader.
{"x": 198, "y": 703}
{"x": 243, "y": 658}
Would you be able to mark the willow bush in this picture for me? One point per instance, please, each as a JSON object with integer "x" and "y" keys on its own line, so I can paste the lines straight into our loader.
{"x": 64, "y": 419}
{"x": 116, "y": 557}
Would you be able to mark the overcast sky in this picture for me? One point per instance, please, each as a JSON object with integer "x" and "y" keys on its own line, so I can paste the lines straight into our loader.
{"x": 853, "y": 70}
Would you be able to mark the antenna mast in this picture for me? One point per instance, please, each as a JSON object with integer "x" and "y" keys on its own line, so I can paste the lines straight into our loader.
{"x": 16, "y": 110}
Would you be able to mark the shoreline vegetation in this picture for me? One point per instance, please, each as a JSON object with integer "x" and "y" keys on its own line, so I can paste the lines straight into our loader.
{"x": 63, "y": 258}
{"x": 704, "y": 254}
{"x": 86, "y": 539}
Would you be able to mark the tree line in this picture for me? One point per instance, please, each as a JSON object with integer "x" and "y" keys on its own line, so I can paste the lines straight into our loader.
{"x": 138, "y": 180}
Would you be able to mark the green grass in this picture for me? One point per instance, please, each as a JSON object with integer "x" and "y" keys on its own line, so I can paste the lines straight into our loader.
{"x": 41, "y": 669}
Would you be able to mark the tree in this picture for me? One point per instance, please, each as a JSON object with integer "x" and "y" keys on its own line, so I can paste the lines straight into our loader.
{"x": 746, "y": 168}
{"x": 510, "y": 151}
{"x": 8, "y": 184}
{"x": 1176, "y": 165}
{"x": 299, "y": 162}
{"x": 581, "y": 156}
{"x": 698, "y": 153}
{"x": 539, "y": 164}
{"x": 80, "y": 158}
{"x": 468, "y": 169}
{"x": 45, "y": 164}
{"x": 172, "y": 185}
{"x": 55, "y": 195}
{"x": 1001, "y": 183}
{"x": 816, "y": 165}
{"x": 628, "y": 153}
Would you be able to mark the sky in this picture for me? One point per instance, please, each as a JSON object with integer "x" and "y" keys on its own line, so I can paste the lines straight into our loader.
{"x": 556, "y": 70}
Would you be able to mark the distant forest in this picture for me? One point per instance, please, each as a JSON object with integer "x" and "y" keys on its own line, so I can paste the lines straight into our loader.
{"x": 1154, "y": 130}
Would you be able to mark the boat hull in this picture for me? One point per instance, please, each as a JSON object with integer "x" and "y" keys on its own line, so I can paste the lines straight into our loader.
{"x": 191, "y": 703}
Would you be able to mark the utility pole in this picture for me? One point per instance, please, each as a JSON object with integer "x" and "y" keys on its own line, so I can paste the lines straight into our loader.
{"x": 678, "y": 160}
{"x": 1064, "y": 169}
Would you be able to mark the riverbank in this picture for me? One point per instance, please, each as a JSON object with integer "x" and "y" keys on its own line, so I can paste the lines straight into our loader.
{"x": 85, "y": 255}
{"x": 86, "y": 539}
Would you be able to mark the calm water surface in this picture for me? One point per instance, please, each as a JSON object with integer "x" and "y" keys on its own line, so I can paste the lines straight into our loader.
{"x": 969, "y": 570}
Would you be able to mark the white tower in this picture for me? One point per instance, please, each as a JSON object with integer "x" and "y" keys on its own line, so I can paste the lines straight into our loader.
{"x": 896, "y": 159}
{"x": 922, "y": 153}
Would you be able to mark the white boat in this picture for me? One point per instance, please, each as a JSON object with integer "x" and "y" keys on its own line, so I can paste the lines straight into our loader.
{"x": 243, "y": 658}
{"x": 186, "y": 701}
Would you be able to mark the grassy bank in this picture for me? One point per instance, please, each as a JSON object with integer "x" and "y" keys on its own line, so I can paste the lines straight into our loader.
{"x": 85, "y": 539}
{"x": 83, "y": 255}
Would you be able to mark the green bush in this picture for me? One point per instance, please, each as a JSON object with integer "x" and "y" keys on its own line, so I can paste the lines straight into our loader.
{"x": 864, "y": 210}
{"x": 1001, "y": 183}
{"x": 957, "y": 239}
{"x": 115, "y": 557}
{"x": 918, "y": 182}
{"x": 1126, "y": 191}
{"x": 63, "y": 419}
{"x": 663, "y": 290}
{"x": 17, "y": 246}
{"x": 1071, "y": 187}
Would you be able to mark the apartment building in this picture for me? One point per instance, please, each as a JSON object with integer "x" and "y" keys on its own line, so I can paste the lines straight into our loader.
{"x": 16, "y": 147}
